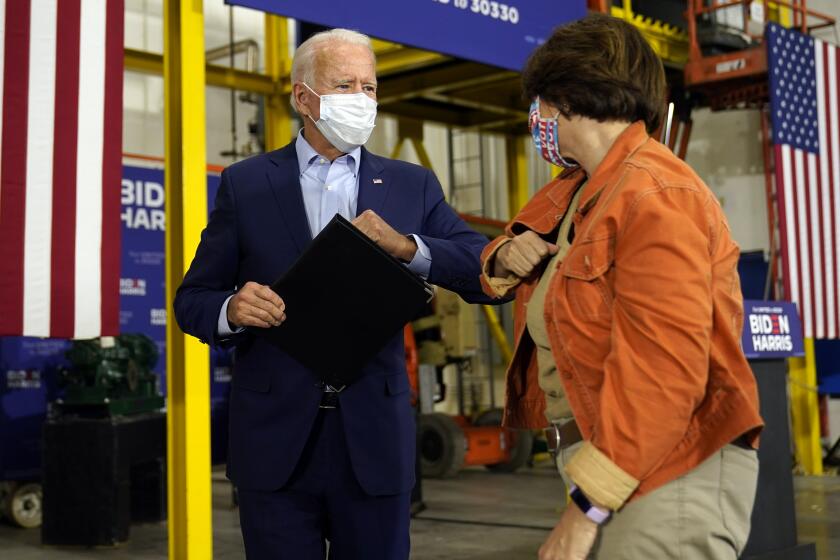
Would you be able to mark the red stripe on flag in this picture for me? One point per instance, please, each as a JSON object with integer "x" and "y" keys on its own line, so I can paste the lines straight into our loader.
{"x": 809, "y": 240}
{"x": 783, "y": 217}
{"x": 799, "y": 298}
{"x": 63, "y": 269}
{"x": 830, "y": 116}
{"x": 13, "y": 165}
{"x": 823, "y": 313}
{"x": 835, "y": 192}
{"x": 112, "y": 168}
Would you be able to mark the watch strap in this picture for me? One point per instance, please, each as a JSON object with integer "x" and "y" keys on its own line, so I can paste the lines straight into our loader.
{"x": 594, "y": 513}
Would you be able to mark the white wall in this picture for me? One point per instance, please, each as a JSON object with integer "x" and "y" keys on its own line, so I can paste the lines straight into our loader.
{"x": 725, "y": 151}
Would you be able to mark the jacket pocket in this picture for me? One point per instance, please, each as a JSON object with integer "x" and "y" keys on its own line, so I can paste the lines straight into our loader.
{"x": 586, "y": 273}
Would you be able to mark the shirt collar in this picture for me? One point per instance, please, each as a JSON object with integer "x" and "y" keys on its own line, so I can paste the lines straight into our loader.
{"x": 307, "y": 155}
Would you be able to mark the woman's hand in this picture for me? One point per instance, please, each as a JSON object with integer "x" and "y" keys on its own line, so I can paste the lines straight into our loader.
{"x": 522, "y": 255}
{"x": 572, "y": 538}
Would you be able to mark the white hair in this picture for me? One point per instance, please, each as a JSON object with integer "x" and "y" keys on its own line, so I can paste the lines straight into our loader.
{"x": 303, "y": 65}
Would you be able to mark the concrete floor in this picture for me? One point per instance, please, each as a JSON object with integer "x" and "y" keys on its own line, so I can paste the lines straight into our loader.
{"x": 477, "y": 516}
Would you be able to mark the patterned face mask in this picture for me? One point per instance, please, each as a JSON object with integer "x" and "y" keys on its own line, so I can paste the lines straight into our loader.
{"x": 544, "y": 132}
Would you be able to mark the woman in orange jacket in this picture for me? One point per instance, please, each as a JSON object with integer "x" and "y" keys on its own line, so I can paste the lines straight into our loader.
{"x": 628, "y": 315}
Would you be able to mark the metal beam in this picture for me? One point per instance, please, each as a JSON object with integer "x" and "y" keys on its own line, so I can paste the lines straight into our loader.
{"x": 391, "y": 58}
{"x": 805, "y": 411}
{"x": 278, "y": 63}
{"x": 517, "y": 174}
{"x": 477, "y": 105}
{"x": 447, "y": 77}
{"x": 393, "y": 91}
{"x": 429, "y": 112}
{"x": 220, "y": 76}
{"x": 498, "y": 333}
{"x": 397, "y": 60}
{"x": 506, "y": 92}
{"x": 189, "y": 493}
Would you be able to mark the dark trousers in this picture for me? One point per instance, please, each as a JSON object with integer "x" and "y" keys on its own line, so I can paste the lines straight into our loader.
{"x": 324, "y": 502}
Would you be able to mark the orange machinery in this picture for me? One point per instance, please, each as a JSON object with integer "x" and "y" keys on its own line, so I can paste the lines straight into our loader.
{"x": 447, "y": 444}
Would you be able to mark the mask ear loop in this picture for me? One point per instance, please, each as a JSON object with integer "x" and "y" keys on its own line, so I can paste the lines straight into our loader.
{"x": 313, "y": 93}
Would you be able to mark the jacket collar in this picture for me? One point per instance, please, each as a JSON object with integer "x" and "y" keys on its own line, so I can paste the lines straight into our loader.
{"x": 284, "y": 178}
{"x": 374, "y": 184}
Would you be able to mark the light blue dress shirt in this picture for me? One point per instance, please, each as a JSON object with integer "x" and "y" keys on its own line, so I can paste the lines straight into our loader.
{"x": 331, "y": 188}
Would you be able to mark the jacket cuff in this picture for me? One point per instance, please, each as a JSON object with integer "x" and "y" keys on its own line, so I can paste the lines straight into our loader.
{"x": 499, "y": 287}
{"x": 601, "y": 480}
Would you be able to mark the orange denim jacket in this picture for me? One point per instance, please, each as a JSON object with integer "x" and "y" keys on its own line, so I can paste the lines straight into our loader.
{"x": 644, "y": 317}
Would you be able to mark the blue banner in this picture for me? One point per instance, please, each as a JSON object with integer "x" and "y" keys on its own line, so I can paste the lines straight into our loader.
{"x": 29, "y": 366}
{"x": 143, "y": 306}
{"x": 771, "y": 330}
{"x": 498, "y": 33}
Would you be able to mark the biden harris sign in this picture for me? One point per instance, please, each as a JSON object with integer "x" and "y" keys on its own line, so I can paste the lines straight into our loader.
{"x": 500, "y": 33}
{"x": 771, "y": 330}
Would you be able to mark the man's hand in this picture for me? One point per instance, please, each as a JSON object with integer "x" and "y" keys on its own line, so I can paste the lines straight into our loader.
{"x": 255, "y": 305}
{"x": 572, "y": 538}
{"x": 522, "y": 255}
{"x": 396, "y": 244}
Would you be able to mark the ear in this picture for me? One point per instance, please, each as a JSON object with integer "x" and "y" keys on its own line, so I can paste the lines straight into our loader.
{"x": 301, "y": 95}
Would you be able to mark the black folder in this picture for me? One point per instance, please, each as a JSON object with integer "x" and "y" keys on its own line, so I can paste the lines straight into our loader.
{"x": 345, "y": 299}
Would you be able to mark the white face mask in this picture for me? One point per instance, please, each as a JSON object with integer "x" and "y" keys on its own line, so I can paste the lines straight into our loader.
{"x": 347, "y": 119}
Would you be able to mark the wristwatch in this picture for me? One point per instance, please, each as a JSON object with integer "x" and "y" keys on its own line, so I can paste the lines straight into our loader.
{"x": 594, "y": 513}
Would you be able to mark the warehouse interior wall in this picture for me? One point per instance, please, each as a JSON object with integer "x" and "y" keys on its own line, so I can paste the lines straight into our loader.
{"x": 143, "y": 101}
{"x": 733, "y": 169}
{"x": 143, "y": 132}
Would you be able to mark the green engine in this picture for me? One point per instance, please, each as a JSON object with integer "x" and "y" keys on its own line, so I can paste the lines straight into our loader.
{"x": 111, "y": 376}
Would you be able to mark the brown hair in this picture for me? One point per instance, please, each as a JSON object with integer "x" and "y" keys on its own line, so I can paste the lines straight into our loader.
{"x": 598, "y": 67}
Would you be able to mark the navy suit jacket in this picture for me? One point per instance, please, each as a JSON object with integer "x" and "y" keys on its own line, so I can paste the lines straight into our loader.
{"x": 255, "y": 233}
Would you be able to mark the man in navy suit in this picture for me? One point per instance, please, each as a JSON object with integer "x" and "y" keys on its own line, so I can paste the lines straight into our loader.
{"x": 315, "y": 463}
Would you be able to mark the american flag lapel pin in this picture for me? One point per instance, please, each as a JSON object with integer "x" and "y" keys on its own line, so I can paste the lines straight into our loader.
{"x": 377, "y": 181}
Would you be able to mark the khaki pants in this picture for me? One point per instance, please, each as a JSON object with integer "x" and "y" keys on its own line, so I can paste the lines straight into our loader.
{"x": 704, "y": 514}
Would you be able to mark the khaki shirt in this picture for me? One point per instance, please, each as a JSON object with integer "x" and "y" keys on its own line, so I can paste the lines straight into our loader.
{"x": 556, "y": 404}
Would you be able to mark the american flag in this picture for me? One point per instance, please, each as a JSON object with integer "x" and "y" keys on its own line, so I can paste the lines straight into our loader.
{"x": 805, "y": 114}
{"x": 60, "y": 164}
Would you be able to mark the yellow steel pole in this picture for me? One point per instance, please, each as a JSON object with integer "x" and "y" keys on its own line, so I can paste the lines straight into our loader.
{"x": 628, "y": 10}
{"x": 278, "y": 65}
{"x": 187, "y": 380}
{"x": 517, "y": 173}
{"x": 804, "y": 410}
{"x": 412, "y": 130}
{"x": 498, "y": 333}
{"x": 422, "y": 154}
{"x": 395, "y": 153}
